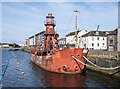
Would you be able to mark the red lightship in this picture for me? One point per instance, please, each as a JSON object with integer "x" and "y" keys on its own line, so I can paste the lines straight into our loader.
{"x": 50, "y": 58}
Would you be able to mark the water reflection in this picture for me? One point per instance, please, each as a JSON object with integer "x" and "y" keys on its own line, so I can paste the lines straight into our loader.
{"x": 36, "y": 77}
{"x": 59, "y": 80}
{"x": 62, "y": 80}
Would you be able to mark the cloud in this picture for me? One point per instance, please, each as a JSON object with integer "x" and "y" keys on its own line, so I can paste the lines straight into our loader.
{"x": 24, "y": 19}
{"x": 60, "y": 0}
{"x": 0, "y": 22}
{"x": 91, "y": 14}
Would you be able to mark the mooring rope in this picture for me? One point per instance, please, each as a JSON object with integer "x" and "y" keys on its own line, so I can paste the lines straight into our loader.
{"x": 93, "y": 64}
{"x": 100, "y": 66}
{"x": 79, "y": 61}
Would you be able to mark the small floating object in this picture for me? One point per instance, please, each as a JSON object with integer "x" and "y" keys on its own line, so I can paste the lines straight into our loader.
{"x": 16, "y": 59}
{"x": 18, "y": 63}
{"x": 15, "y": 56}
{"x": 22, "y": 73}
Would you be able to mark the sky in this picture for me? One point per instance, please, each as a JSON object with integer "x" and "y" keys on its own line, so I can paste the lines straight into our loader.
{"x": 20, "y": 20}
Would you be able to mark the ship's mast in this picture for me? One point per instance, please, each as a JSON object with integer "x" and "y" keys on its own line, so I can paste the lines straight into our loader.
{"x": 76, "y": 29}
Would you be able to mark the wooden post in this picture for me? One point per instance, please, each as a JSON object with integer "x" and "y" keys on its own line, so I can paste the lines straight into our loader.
{"x": 76, "y": 29}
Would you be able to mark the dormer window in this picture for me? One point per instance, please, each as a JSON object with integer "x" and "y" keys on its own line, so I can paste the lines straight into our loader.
{"x": 105, "y": 33}
{"x": 97, "y": 33}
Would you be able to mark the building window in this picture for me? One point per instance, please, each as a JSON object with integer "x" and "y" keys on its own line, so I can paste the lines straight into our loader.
{"x": 110, "y": 36}
{"x": 98, "y": 38}
{"x": 92, "y": 44}
{"x": 103, "y": 38}
{"x": 111, "y": 47}
{"x": 111, "y": 41}
{"x": 103, "y": 44}
{"x": 98, "y": 44}
{"x": 92, "y": 38}
{"x": 85, "y": 45}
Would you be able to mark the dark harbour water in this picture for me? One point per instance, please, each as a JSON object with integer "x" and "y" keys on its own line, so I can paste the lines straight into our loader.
{"x": 36, "y": 77}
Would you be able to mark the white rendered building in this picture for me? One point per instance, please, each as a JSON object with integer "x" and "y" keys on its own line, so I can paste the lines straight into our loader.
{"x": 95, "y": 40}
{"x": 31, "y": 41}
{"x": 70, "y": 38}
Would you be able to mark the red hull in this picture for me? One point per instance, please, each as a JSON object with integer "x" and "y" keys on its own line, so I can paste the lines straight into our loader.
{"x": 61, "y": 61}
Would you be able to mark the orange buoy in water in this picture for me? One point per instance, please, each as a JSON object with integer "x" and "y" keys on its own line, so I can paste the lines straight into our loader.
{"x": 22, "y": 73}
{"x": 15, "y": 56}
{"x": 18, "y": 63}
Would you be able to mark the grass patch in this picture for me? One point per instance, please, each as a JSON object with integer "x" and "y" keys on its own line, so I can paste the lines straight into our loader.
{"x": 111, "y": 70}
{"x": 91, "y": 57}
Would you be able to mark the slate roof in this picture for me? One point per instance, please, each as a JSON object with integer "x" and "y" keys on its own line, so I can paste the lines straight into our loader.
{"x": 31, "y": 37}
{"x": 97, "y": 33}
{"x": 61, "y": 39}
{"x": 72, "y": 33}
{"x": 39, "y": 33}
{"x": 113, "y": 32}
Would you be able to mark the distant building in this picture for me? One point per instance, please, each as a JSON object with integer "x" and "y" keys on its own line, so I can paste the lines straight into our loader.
{"x": 5, "y": 46}
{"x": 27, "y": 42}
{"x": 112, "y": 41}
{"x": 39, "y": 38}
{"x": 21, "y": 45}
{"x": 31, "y": 41}
{"x": 35, "y": 40}
{"x": 95, "y": 40}
{"x": 118, "y": 39}
{"x": 70, "y": 38}
{"x": 62, "y": 42}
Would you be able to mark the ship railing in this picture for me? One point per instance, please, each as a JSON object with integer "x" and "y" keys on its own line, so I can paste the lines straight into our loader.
{"x": 45, "y": 22}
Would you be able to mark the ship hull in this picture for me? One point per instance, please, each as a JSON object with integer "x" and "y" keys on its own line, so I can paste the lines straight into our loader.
{"x": 61, "y": 61}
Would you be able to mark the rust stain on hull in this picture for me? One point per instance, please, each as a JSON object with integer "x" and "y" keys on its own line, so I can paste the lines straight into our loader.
{"x": 61, "y": 61}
